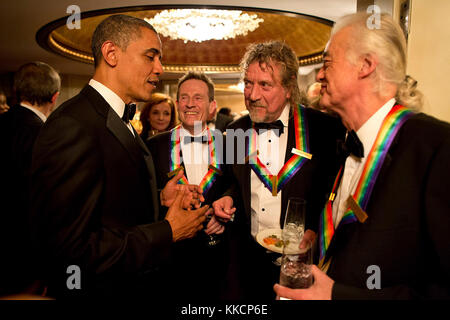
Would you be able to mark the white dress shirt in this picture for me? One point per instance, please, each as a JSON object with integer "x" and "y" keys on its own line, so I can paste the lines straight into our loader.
{"x": 265, "y": 208}
{"x": 354, "y": 166}
{"x": 35, "y": 110}
{"x": 113, "y": 100}
{"x": 195, "y": 157}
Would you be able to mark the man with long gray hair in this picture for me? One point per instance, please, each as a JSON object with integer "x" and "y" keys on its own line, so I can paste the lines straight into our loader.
{"x": 384, "y": 233}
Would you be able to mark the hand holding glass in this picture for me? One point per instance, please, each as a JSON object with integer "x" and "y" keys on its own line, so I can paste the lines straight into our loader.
{"x": 295, "y": 270}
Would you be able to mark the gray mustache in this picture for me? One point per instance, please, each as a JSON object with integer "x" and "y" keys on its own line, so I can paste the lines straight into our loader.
{"x": 256, "y": 105}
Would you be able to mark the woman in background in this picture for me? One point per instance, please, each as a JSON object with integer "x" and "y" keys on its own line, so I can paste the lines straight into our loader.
{"x": 3, "y": 103}
{"x": 157, "y": 115}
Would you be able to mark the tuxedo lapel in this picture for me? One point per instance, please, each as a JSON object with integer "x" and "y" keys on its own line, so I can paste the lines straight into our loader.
{"x": 288, "y": 154}
{"x": 151, "y": 172}
{"x": 113, "y": 123}
{"x": 245, "y": 172}
{"x": 344, "y": 231}
{"x": 133, "y": 145}
{"x": 291, "y": 140}
{"x": 118, "y": 128}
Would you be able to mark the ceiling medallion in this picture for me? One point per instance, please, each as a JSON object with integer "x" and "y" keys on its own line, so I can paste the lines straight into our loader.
{"x": 204, "y": 24}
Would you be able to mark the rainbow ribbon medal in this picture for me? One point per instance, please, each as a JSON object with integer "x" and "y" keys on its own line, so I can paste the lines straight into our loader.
{"x": 358, "y": 202}
{"x": 274, "y": 183}
{"x": 175, "y": 160}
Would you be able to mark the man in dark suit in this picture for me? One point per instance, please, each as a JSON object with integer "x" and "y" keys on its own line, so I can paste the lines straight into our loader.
{"x": 94, "y": 202}
{"x": 223, "y": 119}
{"x": 284, "y": 130}
{"x": 390, "y": 217}
{"x": 194, "y": 154}
{"x": 37, "y": 88}
{"x": 3, "y": 102}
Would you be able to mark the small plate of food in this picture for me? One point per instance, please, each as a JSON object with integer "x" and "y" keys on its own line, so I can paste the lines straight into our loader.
{"x": 271, "y": 240}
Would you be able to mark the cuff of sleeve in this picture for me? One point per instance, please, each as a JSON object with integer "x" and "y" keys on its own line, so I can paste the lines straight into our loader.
{"x": 345, "y": 292}
{"x": 159, "y": 237}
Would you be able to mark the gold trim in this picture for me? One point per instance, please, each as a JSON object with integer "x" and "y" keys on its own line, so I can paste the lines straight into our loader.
{"x": 314, "y": 59}
{"x": 311, "y": 60}
{"x": 72, "y": 53}
{"x": 221, "y": 69}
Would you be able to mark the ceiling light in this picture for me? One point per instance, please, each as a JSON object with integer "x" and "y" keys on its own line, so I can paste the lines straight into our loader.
{"x": 203, "y": 24}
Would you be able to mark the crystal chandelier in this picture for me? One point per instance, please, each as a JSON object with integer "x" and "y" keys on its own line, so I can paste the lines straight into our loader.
{"x": 203, "y": 24}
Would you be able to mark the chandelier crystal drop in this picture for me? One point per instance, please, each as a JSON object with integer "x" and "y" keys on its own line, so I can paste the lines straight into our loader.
{"x": 203, "y": 24}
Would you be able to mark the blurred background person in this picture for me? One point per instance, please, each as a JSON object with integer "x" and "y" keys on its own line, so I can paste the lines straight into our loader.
{"x": 223, "y": 118}
{"x": 211, "y": 120}
{"x": 157, "y": 115}
{"x": 3, "y": 102}
{"x": 37, "y": 87}
{"x": 313, "y": 96}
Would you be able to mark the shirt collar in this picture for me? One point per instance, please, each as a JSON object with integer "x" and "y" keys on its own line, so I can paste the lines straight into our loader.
{"x": 186, "y": 133}
{"x": 368, "y": 132}
{"x": 35, "y": 110}
{"x": 284, "y": 116}
{"x": 110, "y": 96}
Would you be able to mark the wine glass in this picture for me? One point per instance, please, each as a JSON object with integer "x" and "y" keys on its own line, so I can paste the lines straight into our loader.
{"x": 294, "y": 221}
{"x": 211, "y": 239}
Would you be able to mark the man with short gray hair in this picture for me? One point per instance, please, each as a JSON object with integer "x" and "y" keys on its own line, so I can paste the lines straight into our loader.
{"x": 37, "y": 87}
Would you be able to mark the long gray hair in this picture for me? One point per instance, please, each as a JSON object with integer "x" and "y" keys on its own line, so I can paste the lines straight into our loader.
{"x": 387, "y": 41}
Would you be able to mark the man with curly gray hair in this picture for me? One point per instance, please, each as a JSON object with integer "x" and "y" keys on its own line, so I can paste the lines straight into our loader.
{"x": 384, "y": 231}
{"x": 290, "y": 152}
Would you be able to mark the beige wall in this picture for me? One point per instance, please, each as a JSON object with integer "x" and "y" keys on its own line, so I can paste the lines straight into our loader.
{"x": 429, "y": 54}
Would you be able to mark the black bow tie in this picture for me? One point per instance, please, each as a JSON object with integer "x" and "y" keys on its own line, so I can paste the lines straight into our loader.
{"x": 200, "y": 139}
{"x": 352, "y": 145}
{"x": 128, "y": 113}
{"x": 270, "y": 126}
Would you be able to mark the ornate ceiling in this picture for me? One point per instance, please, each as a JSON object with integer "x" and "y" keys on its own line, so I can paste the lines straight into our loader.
{"x": 307, "y": 35}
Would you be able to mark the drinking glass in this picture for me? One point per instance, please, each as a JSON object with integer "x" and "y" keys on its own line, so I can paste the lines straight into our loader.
{"x": 211, "y": 239}
{"x": 295, "y": 271}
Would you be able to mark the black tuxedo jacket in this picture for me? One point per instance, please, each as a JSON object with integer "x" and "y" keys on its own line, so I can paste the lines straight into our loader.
{"x": 19, "y": 128}
{"x": 94, "y": 201}
{"x": 200, "y": 269}
{"x": 312, "y": 183}
{"x": 159, "y": 146}
{"x": 407, "y": 233}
